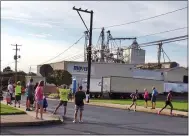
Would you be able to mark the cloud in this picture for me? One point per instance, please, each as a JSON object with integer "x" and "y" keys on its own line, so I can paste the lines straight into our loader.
{"x": 40, "y": 35}
{"x": 45, "y": 19}
{"x": 34, "y": 51}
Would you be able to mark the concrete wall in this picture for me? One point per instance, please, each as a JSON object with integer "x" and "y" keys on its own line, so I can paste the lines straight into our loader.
{"x": 148, "y": 74}
{"x": 175, "y": 75}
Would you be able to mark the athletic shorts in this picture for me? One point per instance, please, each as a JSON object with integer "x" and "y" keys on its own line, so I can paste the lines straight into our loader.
{"x": 31, "y": 99}
{"x": 81, "y": 108}
{"x": 64, "y": 103}
{"x": 40, "y": 102}
{"x": 145, "y": 99}
{"x": 134, "y": 100}
{"x": 153, "y": 99}
{"x": 18, "y": 97}
{"x": 168, "y": 103}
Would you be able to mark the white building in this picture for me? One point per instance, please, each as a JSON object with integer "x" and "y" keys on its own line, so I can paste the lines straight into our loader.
{"x": 79, "y": 70}
{"x": 174, "y": 74}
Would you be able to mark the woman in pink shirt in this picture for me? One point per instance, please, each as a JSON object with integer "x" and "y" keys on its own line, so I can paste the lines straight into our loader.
{"x": 146, "y": 97}
{"x": 39, "y": 99}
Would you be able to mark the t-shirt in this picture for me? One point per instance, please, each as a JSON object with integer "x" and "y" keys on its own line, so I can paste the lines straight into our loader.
{"x": 30, "y": 89}
{"x": 134, "y": 96}
{"x": 39, "y": 93}
{"x": 169, "y": 97}
{"x": 64, "y": 94}
{"x": 10, "y": 88}
{"x": 154, "y": 93}
{"x": 79, "y": 96}
{"x": 146, "y": 95}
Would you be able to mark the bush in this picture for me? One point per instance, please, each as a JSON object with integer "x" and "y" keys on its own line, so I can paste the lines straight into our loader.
{"x": 53, "y": 95}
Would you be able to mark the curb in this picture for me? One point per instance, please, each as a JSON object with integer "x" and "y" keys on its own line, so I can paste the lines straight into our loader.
{"x": 55, "y": 120}
{"x": 140, "y": 110}
{"x": 23, "y": 124}
{"x": 126, "y": 106}
{"x": 21, "y": 113}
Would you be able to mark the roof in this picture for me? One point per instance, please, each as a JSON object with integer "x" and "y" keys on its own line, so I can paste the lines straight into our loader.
{"x": 169, "y": 69}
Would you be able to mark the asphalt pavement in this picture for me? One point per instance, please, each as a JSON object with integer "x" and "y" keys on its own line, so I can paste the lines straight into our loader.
{"x": 101, "y": 120}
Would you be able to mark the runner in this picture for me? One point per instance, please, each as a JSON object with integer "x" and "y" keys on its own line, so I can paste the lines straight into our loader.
{"x": 79, "y": 104}
{"x": 168, "y": 102}
{"x": 39, "y": 99}
{"x": 11, "y": 90}
{"x": 154, "y": 95}
{"x": 63, "y": 93}
{"x": 134, "y": 97}
{"x": 146, "y": 97}
{"x": 30, "y": 95}
{"x": 18, "y": 90}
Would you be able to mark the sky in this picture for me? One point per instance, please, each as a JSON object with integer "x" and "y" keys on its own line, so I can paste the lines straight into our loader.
{"x": 47, "y": 28}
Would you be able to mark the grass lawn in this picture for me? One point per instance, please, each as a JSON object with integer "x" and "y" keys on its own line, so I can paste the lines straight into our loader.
{"x": 8, "y": 110}
{"x": 53, "y": 95}
{"x": 177, "y": 105}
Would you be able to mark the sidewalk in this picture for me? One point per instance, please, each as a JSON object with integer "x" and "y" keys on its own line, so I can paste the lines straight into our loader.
{"x": 28, "y": 119}
{"x": 139, "y": 108}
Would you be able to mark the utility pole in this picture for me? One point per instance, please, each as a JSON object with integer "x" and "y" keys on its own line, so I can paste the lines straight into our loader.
{"x": 16, "y": 57}
{"x": 89, "y": 47}
{"x": 159, "y": 54}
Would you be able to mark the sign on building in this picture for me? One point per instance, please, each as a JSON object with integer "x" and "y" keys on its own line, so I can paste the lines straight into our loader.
{"x": 80, "y": 68}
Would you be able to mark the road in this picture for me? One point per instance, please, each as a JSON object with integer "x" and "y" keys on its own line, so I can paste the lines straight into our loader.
{"x": 100, "y": 120}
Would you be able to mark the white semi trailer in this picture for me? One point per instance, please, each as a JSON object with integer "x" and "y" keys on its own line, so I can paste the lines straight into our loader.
{"x": 116, "y": 87}
{"x": 95, "y": 87}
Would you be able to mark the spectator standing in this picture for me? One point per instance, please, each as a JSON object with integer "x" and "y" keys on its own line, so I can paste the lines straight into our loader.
{"x": 79, "y": 104}
{"x": 146, "y": 97}
{"x": 34, "y": 103}
{"x": 11, "y": 90}
{"x": 63, "y": 93}
{"x": 30, "y": 95}
{"x": 8, "y": 97}
{"x": 39, "y": 99}
{"x": 154, "y": 96}
{"x": 18, "y": 91}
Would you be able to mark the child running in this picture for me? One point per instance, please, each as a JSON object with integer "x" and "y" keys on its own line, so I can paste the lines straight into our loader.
{"x": 168, "y": 102}
{"x": 134, "y": 97}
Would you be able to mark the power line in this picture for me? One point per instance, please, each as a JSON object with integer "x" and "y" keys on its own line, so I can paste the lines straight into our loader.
{"x": 143, "y": 19}
{"x": 64, "y": 50}
{"x": 167, "y": 31}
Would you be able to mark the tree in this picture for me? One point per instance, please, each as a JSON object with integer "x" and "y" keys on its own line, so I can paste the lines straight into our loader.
{"x": 46, "y": 70}
{"x": 59, "y": 77}
{"x": 32, "y": 74}
{"x": 7, "y": 69}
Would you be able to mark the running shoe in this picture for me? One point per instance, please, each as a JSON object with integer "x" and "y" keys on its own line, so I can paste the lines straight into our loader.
{"x": 74, "y": 121}
{"x": 81, "y": 121}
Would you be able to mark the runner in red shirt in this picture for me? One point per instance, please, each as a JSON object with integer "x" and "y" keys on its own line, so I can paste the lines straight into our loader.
{"x": 168, "y": 102}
